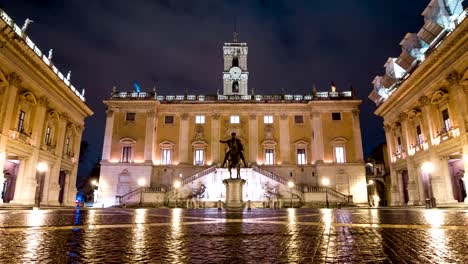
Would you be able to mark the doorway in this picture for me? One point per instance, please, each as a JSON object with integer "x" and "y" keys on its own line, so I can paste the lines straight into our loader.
{"x": 61, "y": 181}
{"x": 456, "y": 170}
{"x": 404, "y": 181}
{"x": 10, "y": 173}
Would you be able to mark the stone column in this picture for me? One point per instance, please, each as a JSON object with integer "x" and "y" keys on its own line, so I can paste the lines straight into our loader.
{"x": 253, "y": 138}
{"x": 39, "y": 121}
{"x": 359, "y": 156}
{"x": 405, "y": 137}
{"x": 458, "y": 94}
{"x": 428, "y": 127}
{"x": 183, "y": 138}
{"x": 6, "y": 110}
{"x": 26, "y": 180}
{"x": 70, "y": 187}
{"x": 150, "y": 117}
{"x": 215, "y": 137}
{"x": 317, "y": 142}
{"x": 413, "y": 184}
{"x": 51, "y": 185}
{"x": 396, "y": 192}
{"x": 106, "y": 148}
{"x": 284, "y": 139}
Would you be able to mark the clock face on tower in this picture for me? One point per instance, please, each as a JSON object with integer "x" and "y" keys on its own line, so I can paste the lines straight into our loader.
{"x": 235, "y": 73}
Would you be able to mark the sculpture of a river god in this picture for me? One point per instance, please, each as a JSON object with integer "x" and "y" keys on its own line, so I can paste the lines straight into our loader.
{"x": 234, "y": 155}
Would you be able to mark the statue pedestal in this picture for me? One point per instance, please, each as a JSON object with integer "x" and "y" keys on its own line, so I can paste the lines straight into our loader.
{"x": 234, "y": 192}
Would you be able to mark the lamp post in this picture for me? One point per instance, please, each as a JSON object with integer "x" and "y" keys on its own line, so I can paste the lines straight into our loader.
{"x": 95, "y": 185}
{"x": 41, "y": 169}
{"x": 427, "y": 168}
{"x": 177, "y": 185}
{"x": 326, "y": 182}
{"x": 141, "y": 183}
{"x": 291, "y": 185}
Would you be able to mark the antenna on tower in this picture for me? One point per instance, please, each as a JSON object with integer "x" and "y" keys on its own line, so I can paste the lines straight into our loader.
{"x": 235, "y": 34}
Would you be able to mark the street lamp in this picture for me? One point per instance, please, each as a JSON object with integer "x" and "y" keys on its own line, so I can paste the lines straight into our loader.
{"x": 41, "y": 169}
{"x": 326, "y": 182}
{"x": 177, "y": 185}
{"x": 141, "y": 183}
{"x": 95, "y": 185}
{"x": 291, "y": 185}
{"x": 427, "y": 168}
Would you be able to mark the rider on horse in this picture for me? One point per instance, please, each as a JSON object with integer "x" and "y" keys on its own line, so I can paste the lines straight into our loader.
{"x": 235, "y": 145}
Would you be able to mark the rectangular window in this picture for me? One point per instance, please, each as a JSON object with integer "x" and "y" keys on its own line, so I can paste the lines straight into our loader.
{"x": 299, "y": 119}
{"x": 130, "y": 117}
{"x": 67, "y": 145}
{"x": 47, "y": 135}
{"x": 336, "y": 116}
{"x": 419, "y": 135}
{"x": 301, "y": 157}
{"x": 199, "y": 157}
{"x": 235, "y": 119}
{"x": 339, "y": 154}
{"x": 269, "y": 156}
{"x": 446, "y": 118}
{"x": 268, "y": 119}
{"x": 166, "y": 157}
{"x": 169, "y": 120}
{"x": 21, "y": 117}
{"x": 126, "y": 154}
{"x": 200, "y": 119}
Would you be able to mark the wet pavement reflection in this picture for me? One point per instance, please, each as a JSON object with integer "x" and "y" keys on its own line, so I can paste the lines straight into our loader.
{"x": 212, "y": 236}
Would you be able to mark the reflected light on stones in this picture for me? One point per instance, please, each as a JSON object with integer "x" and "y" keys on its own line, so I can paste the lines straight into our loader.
{"x": 140, "y": 216}
{"x": 437, "y": 239}
{"x": 173, "y": 243}
{"x": 139, "y": 237}
{"x": 34, "y": 237}
{"x": 293, "y": 247}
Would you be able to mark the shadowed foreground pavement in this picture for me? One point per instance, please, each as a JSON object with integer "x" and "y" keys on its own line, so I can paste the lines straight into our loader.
{"x": 212, "y": 236}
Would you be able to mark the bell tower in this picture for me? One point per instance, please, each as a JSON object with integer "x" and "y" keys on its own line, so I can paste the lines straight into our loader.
{"x": 235, "y": 74}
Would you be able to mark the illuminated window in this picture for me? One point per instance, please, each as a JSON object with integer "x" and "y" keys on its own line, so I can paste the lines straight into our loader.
{"x": 269, "y": 156}
{"x": 130, "y": 117}
{"x": 268, "y": 119}
{"x": 47, "y": 135}
{"x": 21, "y": 117}
{"x": 339, "y": 154}
{"x": 419, "y": 136}
{"x": 235, "y": 119}
{"x": 199, "y": 157}
{"x": 299, "y": 119}
{"x": 301, "y": 157}
{"x": 446, "y": 118}
{"x": 200, "y": 119}
{"x": 166, "y": 157}
{"x": 67, "y": 145}
{"x": 126, "y": 154}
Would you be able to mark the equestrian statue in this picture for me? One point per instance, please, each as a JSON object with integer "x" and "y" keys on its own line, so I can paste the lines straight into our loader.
{"x": 234, "y": 154}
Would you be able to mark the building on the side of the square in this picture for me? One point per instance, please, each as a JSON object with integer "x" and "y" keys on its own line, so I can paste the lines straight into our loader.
{"x": 41, "y": 122}
{"x": 423, "y": 98}
{"x": 153, "y": 140}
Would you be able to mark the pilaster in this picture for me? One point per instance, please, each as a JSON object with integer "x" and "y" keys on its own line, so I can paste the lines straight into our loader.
{"x": 284, "y": 139}
{"x": 357, "y": 136}
{"x": 403, "y": 118}
{"x": 183, "y": 138}
{"x": 253, "y": 138}
{"x": 38, "y": 125}
{"x": 150, "y": 117}
{"x": 215, "y": 137}
{"x": 317, "y": 136}
{"x": 429, "y": 131}
{"x": 106, "y": 149}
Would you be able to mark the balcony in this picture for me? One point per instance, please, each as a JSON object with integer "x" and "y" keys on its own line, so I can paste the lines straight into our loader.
{"x": 445, "y": 134}
{"x": 21, "y": 136}
{"x": 418, "y": 146}
{"x": 401, "y": 154}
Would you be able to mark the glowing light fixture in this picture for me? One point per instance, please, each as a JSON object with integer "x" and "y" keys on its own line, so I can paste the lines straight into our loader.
{"x": 42, "y": 167}
{"x": 325, "y": 182}
{"x": 427, "y": 167}
{"x": 141, "y": 182}
{"x": 177, "y": 184}
{"x": 291, "y": 184}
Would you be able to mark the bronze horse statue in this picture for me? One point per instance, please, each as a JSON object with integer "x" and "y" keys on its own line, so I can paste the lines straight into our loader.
{"x": 234, "y": 161}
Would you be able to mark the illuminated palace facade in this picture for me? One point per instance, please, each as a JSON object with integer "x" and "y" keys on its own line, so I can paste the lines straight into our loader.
{"x": 156, "y": 140}
{"x": 41, "y": 122}
{"x": 423, "y": 98}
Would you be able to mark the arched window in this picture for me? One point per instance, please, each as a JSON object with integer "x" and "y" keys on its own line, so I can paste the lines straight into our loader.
{"x": 235, "y": 86}
{"x": 127, "y": 146}
{"x": 235, "y": 62}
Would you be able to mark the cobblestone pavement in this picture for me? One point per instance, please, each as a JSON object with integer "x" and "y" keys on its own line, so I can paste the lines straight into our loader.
{"x": 212, "y": 236}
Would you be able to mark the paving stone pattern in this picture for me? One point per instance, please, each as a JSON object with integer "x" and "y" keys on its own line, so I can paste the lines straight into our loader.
{"x": 212, "y": 236}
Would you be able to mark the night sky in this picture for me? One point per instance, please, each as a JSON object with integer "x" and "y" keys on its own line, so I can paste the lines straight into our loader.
{"x": 177, "y": 45}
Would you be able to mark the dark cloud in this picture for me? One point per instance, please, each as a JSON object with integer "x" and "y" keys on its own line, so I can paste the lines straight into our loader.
{"x": 178, "y": 44}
